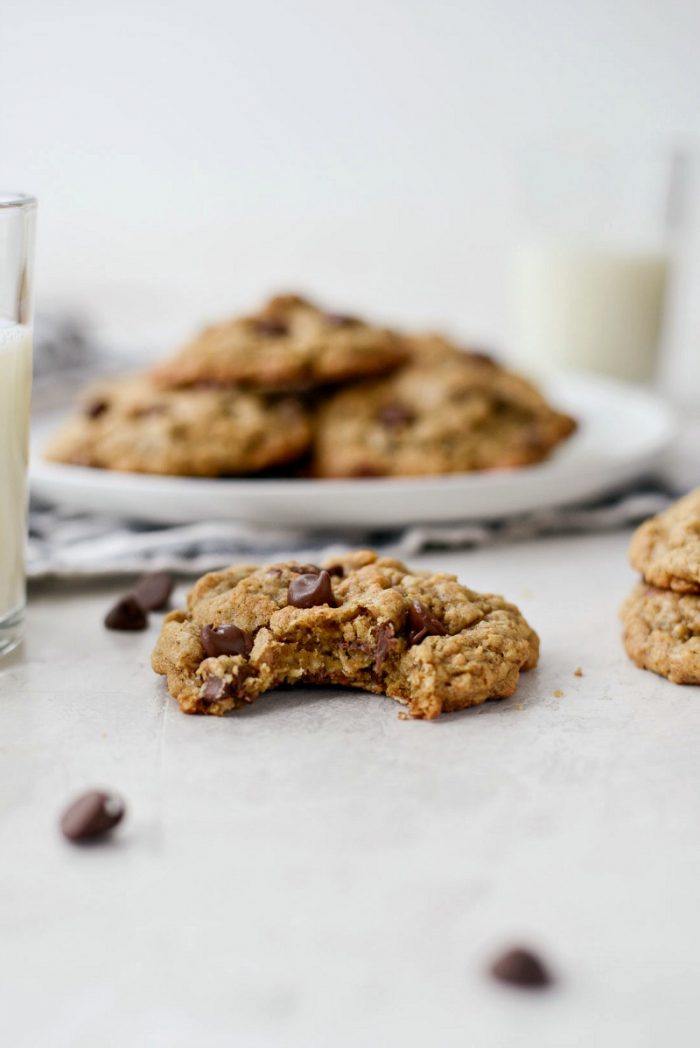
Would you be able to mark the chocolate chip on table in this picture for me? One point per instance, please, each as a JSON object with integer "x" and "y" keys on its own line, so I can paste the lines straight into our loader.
{"x": 422, "y": 623}
{"x": 275, "y": 328}
{"x": 306, "y": 591}
{"x": 92, "y": 815}
{"x": 521, "y": 967}
{"x": 225, "y": 640}
{"x": 127, "y": 614}
{"x": 95, "y": 408}
{"x": 153, "y": 590}
{"x": 394, "y": 414}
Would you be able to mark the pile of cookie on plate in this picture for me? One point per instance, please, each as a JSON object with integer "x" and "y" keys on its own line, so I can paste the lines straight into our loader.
{"x": 295, "y": 390}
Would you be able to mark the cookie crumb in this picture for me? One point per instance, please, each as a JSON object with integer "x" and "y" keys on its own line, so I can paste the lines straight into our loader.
{"x": 578, "y": 672}
{"x": 558, "y": 693}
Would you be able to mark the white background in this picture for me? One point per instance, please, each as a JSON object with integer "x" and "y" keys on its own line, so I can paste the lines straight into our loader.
{"x": 189, "y": 157}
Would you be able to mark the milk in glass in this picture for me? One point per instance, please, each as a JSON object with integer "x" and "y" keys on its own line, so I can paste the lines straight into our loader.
{"x": 590, "y": 306}
{"x": 15, "y": 391}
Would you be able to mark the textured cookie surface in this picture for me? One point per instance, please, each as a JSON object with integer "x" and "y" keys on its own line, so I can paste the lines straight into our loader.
{"x": 662, "y": 632}
{"x": 290, "y": 343}
{"x": 666, "y": 548}
{"x": 446, "y": 411}
{"x": 368, "y": 622}
{"x": 129, "y": 424}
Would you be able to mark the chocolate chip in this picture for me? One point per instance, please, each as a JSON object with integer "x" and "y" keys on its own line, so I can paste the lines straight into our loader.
{"x": 269, "y": 326}
{"x": 422, "y": 623}
{"x": 127, "y": 614}
{"x": 215, "y": 688}
{"x": 92, "y": 815}
{"x": 95, "y": 408}
{"x": 340, "y": 320}
{"x": 153, "y": 590}
{"x": 225, "y": 640}
{"x": 394, "y": 414}
{"x": 306, "y": 591}
{"x": 386, "y": 642}
{"x": 337, "y": 570}
{"x": 521, "y": 968}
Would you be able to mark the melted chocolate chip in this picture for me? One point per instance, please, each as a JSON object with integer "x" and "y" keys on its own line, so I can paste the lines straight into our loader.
{"x": 395, "y": 414}
{"x": 422, "y": 623}
{"x": 269, "y": 326}
{"x": 225, "y": 640}
{"x": 153, "y": 590}
{"x": 92, "y": 815}
{"x": 306, "y": 591}
{"x": 127, "y": 614}
{"x": 521, "y": 968}
{"x": 215, "y": 688}
{"x": 386, "y": 642}
{"x": 96, "y": 408}
{"x": 337, "y": 570}
{"x": 340, "y": 320}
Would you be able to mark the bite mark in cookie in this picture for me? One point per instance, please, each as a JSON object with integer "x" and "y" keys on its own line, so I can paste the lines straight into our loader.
{"x": 423, "y": 639}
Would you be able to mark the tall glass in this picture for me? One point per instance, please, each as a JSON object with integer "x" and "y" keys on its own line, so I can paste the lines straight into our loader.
{"x": 591, "y": 271}
{"x": 17, "y": 221}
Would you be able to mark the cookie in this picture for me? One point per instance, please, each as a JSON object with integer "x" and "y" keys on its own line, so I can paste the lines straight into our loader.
{"x": 288, "y": 344}
{"x": 129, "y": 424}
{"x": 360, "y": 620}
{"x": 662, "y": 632}
{"x": 445, "y": 412}
{"x": 665, "y": 550}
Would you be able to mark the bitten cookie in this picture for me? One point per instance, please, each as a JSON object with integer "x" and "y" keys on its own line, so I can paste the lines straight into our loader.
{"x": 129, "y": 424}
{"x": 666, "y": 548}
{"x": 360, "y": 620}
{"x": 447, "y": 411}
{"x": 290, "y": 343}
{"x": 662, "y": 632}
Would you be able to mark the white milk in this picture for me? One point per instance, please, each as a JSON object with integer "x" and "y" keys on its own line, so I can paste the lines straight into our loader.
{"x": 15, "y": 392}
{"x": 589, "y": 307}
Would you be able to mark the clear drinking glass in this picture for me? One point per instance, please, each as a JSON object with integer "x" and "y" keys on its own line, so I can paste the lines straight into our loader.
{"x": 598, "y": 225}
{"x": 17, "y": 221}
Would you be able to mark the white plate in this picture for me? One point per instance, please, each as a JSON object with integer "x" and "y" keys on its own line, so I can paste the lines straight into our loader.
{"x": 623, "y": 432}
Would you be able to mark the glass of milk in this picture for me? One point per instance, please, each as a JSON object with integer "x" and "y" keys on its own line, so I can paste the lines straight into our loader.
{"x": 592, "y": 266}
{"x": 17, "y": 220}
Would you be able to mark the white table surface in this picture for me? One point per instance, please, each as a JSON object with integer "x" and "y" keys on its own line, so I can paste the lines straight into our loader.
{"x": 315, "y": 871}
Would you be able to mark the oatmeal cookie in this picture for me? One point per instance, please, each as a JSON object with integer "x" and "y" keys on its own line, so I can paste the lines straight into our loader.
{"x": 358, "y": 620}
{"x": 665, "y": 550}
{"x": 129, "y": 424}
{"x": 289, "y": 344}
{"x": 447, "y": 411}
{"x": 662, "y": 632}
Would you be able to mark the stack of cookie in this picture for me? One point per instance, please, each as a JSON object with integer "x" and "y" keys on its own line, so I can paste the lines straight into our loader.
{"x": 302, "y": 391}
{"x": 662, "y": 614}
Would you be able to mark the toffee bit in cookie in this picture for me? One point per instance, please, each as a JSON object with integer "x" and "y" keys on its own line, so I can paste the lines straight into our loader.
{"x": 578, "y": 672}
{"x": 422, "y": 623}
{"x": 274, "y": 328}
{"x": 225, "y": 640}
{"x": 96, "y": 408}
{"x": 127, "y": 614}
{"x": 307, "y": 591}
{"x": 386, "y": 642}
{"x": 153, "y": 590}
{"x": 521, "y": 967}
{"x": 92, "y": 815}
{"x": 395, "y": 414}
